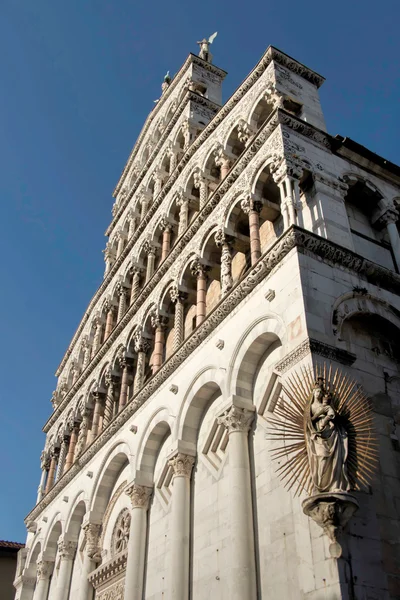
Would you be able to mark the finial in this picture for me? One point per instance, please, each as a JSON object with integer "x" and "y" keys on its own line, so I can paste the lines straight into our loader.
{"x": 204, "y": 52}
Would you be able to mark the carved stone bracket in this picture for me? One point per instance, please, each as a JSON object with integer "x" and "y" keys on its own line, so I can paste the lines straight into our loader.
{"x": 332, "y": 512}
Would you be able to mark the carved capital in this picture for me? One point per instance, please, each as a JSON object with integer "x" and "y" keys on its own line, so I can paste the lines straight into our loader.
{"x": 236, "y": 419}
{"x": 181, "y": 199}
{"x": 139, "y": 495}
{"x": 165, "y": 224}
{"x": 44, "y": 460}
{"x": 390, "y": 216}
{"x": 66, "y": 549}
{"x": 149, "y": 248}
{"x": 245, "y": 131}
{"x": 221, "y": 159}
{"x": 198, "y": 178}
{"x": 44, "y": 569}
{"x": 249, "y": 204}
{"x": 176, "y": 295}
{"x": 221, "y": 239}
{"x": 92, "y": 534}
{"x": 182, "y": 465}
{"x": 121, "y": 289}
{"x": 141, "y": 343}
{"x": 159, "y": 321}
{"x": 198, "y": 269}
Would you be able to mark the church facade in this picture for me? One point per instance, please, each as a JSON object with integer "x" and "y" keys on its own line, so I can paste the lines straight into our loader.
{"x": 246, "y": 243}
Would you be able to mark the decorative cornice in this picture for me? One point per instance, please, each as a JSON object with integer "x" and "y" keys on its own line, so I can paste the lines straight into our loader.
{"x": 313, "y": 346}
{"x": 293, "y": 65}
{"x": 109, "y": 570}
{"x": 294, "y": 237}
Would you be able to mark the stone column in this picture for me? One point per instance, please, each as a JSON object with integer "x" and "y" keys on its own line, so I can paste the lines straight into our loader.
{"x": 44, "y": 569}
{"x": 200, "y": 272}
{"x": 290, "y": 200}
{"x": 97, "y": 336}
{"x": 224, "y": 162}
{"x": 109, "y": 405}
{"x": 108, "y": 258}
{"x": 63, "y": 456}
{"x": 122, "y": 302}
{"x": 140, "y": 497}
{"x": 91, "y": 555}
{"x": 83, "y": 432}
{"x": 284, "y": 207}
{"x": 151, "y": 257}
{"x": 183, "y": 204}
{"x": 121, "y": 244}
{"x": 123, "y": 395}
{"x": 165, "y": 226}
{"x": 252, "y": 208}
{"x": 71, "y": 450}
{"x": 144, "y": 201}
{"x": 97, "y": 414}
{"x": 388, "y": 220}
{"x": 187, "y": 134}
{"x": 86, "y": 354}
{"x": 182, "y": 465}
{"x": 52, "y": 470}
{"x": 132, "y": 224}
{"x": 141, "y": 347}
{"x": 221, "y": 241}
{"x": 173, "y": 160}
{"x": 178, "y": 298}
{"x": 201, "y": 183}
{"x": 135, "y": 289}
{"x": 243, "y": 572}
{"x": 66, "y": 552}
{"x": 45, "y": 466}
{"x": 160, "y": 324}
{"x": 109, "y": 321}
{"x": 157, "y": 184}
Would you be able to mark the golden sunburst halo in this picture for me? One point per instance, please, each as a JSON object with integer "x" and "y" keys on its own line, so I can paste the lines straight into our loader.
{"x": 287, "y": 427}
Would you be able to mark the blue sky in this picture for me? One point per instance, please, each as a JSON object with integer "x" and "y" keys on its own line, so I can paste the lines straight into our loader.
{"x": 78, "y": 80}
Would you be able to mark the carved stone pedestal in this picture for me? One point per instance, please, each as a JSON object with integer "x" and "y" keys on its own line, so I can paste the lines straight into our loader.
{"x": 331, "y": 511}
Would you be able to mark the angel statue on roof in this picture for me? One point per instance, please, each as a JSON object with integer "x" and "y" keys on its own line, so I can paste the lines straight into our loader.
{"x": 204, "y": 52}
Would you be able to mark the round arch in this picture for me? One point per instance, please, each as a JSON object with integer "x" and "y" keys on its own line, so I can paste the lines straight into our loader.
{"x": 117, "y": 459}
{"x": 158, "y": 428}
{"x": 267, "y": 332}
{"x": 351, "y": 304}
{"x": 75, "y": 516}
{"x": 206, "y": 384}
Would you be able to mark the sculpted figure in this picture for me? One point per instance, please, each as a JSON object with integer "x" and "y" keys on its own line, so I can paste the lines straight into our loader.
{"x": 327, "y": 443}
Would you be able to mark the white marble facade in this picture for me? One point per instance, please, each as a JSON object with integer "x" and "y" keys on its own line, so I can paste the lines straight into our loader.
{"x": 245, "y": 241}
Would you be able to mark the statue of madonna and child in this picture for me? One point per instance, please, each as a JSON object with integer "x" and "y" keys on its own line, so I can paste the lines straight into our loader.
{"x": 326, "y": 427}
{"x": 327, "y": 443}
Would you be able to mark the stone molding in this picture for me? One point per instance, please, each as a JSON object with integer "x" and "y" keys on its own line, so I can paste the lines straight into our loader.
{"x": 110, "y": 570}
{"x": 313, "y": 346}
{"x": 306, "y": 242}
{"x": 305, "y": 129}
